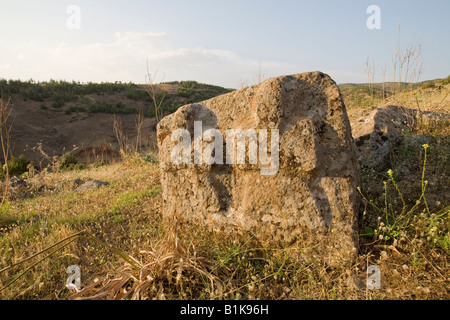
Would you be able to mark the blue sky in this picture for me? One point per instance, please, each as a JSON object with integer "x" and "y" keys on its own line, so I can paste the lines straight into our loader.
{"x": 226, "y": 43}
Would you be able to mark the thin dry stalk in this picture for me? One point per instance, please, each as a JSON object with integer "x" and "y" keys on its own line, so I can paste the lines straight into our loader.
{"x": 259, "y": 75}
{"x": 152, "y": 91}
{"x": 139, "y": 121}
{"x": 45, "y": 157}
{"x": 370, "y": 70}
{"x": 384, "y": 81}
{"x": 121, "y": 136}
{"x": 5, "y": 137}
{"x": 396, "y": 57}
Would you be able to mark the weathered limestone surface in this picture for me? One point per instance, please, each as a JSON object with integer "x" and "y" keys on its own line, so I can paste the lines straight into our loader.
{"x": 382, "y": 129}
{"x": 311, "y": 202}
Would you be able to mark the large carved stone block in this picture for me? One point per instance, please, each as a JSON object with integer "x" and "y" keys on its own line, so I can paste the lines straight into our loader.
{"x": 294, "y": 186}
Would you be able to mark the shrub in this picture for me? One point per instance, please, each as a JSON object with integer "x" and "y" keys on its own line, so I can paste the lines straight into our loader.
{"x": 105, "y": 107}
{"x": 136, "y": 94}
{"x": 17, "y": 166}
{"x": 101, "y": 107}
{"x": 174, "y": 107}
{"x": 67, "y": 161}
{"x": 35, "y": 93}
{"x": 75, "y": 109}
{"x": 428, "y": 85}
{"x": 446, "y": 80}
{"x": 187, "y": 88}
{"x": 185, "y": 92}
{"x": 150, "y": 112}
{"x": 150, "y": 158}
{"x": 58, "y": 104}
{"x": 120, "y": 105}
{"x": 189, "y": 84}
{"x": 43, "y": 106}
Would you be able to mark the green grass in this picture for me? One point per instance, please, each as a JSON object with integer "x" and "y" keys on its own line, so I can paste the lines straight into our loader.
{"x": 130, "y": 199}
{"x": 125, "y": 218}
{"x": 30, "y": 224}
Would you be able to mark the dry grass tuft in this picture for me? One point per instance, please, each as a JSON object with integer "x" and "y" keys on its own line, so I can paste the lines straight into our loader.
{"x": 170, "y": 269}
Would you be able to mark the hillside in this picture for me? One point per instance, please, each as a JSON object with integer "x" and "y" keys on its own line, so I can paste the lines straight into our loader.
{"x": 53, "y": 117}
{"x": 430, "y": 95}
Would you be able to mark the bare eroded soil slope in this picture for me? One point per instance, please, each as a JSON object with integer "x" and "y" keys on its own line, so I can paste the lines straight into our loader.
{"x": 58, "y": 131}
{"x": 89, "y": 132}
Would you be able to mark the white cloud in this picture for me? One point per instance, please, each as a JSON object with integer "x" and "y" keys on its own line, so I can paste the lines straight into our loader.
{"x": 139, "y": 37}
{"x": 125, "y": 58}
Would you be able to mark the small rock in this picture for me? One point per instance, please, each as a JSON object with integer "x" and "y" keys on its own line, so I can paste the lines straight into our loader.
{"x": 44, "y": 187}
{"x": 77, "y": 181}
{"x": 16, "y": 182}
{"x": 377, "y": 133}
{"x": 403, "y": 171}
{"x": 419, "y": 140}
{"x": 380, "y": 131}
{"x": 91, "y": 185}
